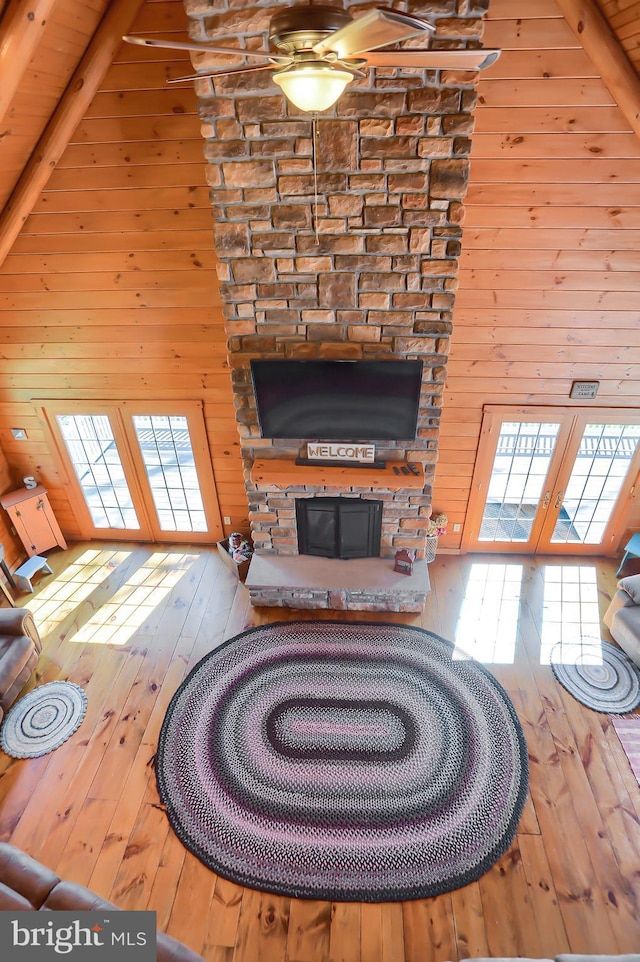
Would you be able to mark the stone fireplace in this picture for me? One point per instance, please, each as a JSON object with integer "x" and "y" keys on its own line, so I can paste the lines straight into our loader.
{"x": 359, "y": 262}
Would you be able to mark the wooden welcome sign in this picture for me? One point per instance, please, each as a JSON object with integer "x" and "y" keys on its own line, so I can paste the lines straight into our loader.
{"x": 321, "y": 451}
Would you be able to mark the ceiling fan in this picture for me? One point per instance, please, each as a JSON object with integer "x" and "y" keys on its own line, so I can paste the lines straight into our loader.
{"x": 315, "y": 51}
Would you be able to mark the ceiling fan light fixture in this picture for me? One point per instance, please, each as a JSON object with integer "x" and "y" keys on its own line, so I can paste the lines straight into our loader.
{"x": 313, "y": 86}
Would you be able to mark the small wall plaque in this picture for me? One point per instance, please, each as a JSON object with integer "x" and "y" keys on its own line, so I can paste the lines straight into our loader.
{"x": 584, "y": 390}
{"x": 345, "y": 451}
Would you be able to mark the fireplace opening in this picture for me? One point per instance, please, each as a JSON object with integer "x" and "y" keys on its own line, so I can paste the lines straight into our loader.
{"x": 339, "y": 527}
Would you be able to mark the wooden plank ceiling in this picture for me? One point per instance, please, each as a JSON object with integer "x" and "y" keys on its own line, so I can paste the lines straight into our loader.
{"x": 41, "y": 44}
{"x": 624, "y": 18}
{"x": 110, "y": 290}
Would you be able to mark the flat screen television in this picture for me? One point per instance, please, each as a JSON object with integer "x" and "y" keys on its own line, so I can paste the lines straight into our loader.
{"x": 337, "y": 400}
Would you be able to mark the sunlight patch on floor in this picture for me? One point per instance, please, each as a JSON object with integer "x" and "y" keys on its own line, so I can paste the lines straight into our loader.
{"x": 80, "y": 603}
{"x": 60, "y": 597}
{"x": 488, "y": 624}
{"x": 570, "y": 609}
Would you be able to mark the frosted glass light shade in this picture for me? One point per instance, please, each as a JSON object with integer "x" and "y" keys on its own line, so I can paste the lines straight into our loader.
{"x": 312, "y": 86}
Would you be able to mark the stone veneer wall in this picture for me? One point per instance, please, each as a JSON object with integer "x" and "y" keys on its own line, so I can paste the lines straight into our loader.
{"x": 379, "y": 280}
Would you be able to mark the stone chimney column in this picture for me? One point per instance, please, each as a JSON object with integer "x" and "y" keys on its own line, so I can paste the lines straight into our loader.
{"x": 366, "y": 268}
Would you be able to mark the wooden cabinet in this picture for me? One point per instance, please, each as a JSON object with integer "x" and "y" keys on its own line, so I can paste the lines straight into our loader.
{"x": 33, "y": 519}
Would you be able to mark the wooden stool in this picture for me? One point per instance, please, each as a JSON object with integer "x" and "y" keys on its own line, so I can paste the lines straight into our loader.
{"x": 25, "y": 572}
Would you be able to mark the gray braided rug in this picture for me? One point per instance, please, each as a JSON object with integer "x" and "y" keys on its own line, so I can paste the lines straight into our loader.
{"x": 338, "y": 761}
{"x": 598, "y": 674}
{"x": 43, "y": 719}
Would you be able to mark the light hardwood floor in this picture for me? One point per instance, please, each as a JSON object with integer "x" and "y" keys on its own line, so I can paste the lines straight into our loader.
{"x": 127, "y": 622}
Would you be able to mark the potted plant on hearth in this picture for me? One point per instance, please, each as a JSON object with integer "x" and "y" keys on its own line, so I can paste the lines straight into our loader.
{"x": 436, "y": 526}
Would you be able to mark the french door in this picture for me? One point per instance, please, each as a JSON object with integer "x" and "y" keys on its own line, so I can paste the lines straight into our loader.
{"x": 552, "y": 480}
{"x": 136, "y": 470}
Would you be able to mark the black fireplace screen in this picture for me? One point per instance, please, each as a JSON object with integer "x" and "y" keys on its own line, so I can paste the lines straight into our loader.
{"x": 339, "y": 527}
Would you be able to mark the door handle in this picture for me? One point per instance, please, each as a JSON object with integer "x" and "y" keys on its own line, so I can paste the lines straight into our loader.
{"x": 546, "y": 499}
{"x": 558, "y": 500}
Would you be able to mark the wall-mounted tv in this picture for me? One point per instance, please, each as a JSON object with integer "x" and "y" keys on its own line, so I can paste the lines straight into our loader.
{"x": 337, "y": 400}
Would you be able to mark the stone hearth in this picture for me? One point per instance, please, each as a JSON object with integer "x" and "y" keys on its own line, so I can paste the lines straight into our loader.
{"x": 368, "y": 271}
{"x": 368, "y": 584}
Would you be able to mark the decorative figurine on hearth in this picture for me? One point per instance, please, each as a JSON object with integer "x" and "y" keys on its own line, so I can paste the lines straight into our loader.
{"x": 239, "y": 547}
{"x": 404, "y": 561}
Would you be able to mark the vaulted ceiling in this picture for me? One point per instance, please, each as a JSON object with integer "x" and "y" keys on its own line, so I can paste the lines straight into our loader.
{"x": 55, "y": 53}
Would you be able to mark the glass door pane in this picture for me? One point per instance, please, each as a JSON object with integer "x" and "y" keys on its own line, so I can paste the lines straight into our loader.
{"x": 167, "y": 453}
{"x": 137, "y": 471}
{"x": 597, "y": 476}
{"x": 518, "y": 478}
{"x": 552, "y": 480}
{"x": 91, "y": 446}
{"x": 172, "y": 458}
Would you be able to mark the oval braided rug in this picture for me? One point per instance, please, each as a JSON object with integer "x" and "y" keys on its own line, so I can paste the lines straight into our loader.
{"x": 338, "y": 761}
{"x": 598, "y": 674}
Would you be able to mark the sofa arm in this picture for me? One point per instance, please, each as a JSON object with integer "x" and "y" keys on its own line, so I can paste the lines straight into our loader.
{"x": 565, "y": 957}
{"x": 169, "y": 949}
{"x": 71, "y": 897}
{"x": 17, "y": 622}
{"x": 620, "y": 600}
{"x": 631, "y": 586}
{"x": 25, "y": 876}
{"x": 27, "y": 884}
{"x": 627, "y": 596}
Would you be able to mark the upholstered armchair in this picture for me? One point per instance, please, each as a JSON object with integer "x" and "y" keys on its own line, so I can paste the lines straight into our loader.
{"x": 20, "y": 648}
{"x": 622, "y": 617}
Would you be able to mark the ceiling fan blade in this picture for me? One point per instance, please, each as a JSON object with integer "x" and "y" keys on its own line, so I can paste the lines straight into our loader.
{"x": 433, "y": 59}
{"x": 221, "y": 73}
{"x": 205, "y": 48}
{"x": 378, "y": 28}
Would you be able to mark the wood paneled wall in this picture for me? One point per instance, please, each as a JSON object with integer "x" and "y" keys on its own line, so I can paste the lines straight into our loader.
{"x": 549, "y": 270}
{"x": 13, "y": 549}
{"x": 111, "y": 289}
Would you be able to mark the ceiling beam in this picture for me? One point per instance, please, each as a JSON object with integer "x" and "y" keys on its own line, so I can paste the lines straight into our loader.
{"x": 72, "y": 107}
{"x": 20, "y": 32}
{"x": 603, "y": 48}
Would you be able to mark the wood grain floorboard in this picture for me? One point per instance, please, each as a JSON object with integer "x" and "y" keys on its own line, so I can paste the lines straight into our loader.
{"x": 127, "y": 622}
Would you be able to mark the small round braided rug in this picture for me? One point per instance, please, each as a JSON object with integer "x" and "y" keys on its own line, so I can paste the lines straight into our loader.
{"x": 43, "y": 719}
{"x": 598, "y": 674}
{"x": 324, "y": 760}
